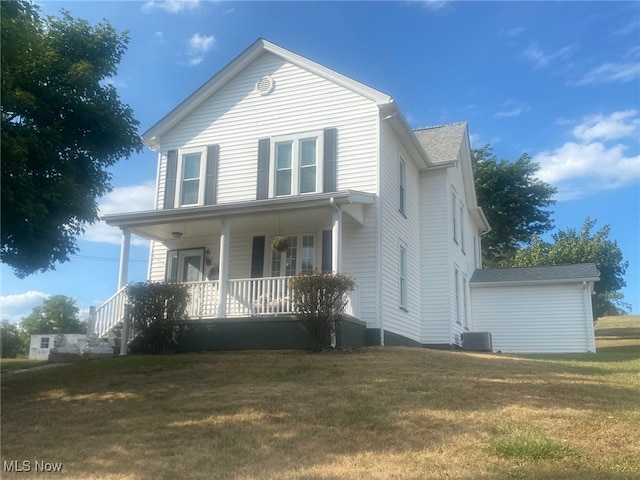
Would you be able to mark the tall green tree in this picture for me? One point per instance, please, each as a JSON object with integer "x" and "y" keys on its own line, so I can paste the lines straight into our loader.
{"x": 58, "y": 314}
{"x": 13, "y": 343}
{"x": 63, "y": 126}
{"x": 514, "y": 201}
{"x": 583, "y": 246}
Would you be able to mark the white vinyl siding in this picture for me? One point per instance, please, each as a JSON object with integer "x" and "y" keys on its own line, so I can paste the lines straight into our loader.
{"x": 535, "y": 318}
{"x": 434, "y": 252}
{"x": 236, "y": 117}
{"x": 399, "y": 229}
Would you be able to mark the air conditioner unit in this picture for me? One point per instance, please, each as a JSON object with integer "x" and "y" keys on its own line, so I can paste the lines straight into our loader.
{"x": 477, "y": 341}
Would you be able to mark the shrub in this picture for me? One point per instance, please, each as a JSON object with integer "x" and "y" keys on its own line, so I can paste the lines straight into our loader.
{"x": 319, "y": 300}
{"x": 157, "y": 309}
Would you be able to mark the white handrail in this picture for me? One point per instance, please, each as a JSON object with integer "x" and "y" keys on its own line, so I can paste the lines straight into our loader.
{"x": 110, "y": 312}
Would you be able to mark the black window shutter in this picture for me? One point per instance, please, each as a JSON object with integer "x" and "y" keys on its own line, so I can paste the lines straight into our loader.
{"x": 330, "y": 156}
{"x": 211, "y": 182}
{"x": 170, "y": 182}
{"x": 327, "y": 250}
{"x": 262, "y": 190}
{"x": 257, "y": 257}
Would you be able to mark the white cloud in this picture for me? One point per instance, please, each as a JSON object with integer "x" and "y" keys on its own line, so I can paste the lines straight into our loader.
{"x": 15, "y": 307}
{"x": 121, "y": 200}
{"x": 201, "y": 43}
{"x": 611, "y": 73}
{"x": 617, "y": 125}
{"x": 511, "y": 108}
{"x": 541, "y": 59}
{"x": 580, "y": 167}
{"x": 434, "y": 4}
{"x": 514, "y": 32}
{"x": 198, "y": 46}
{"x": 170, "y": 6}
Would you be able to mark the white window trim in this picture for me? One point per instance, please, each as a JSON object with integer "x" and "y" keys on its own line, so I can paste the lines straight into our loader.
{"x": 318, "y": 135}
{"x": 180, "y": 175}
{"x": 465, "y": 303}
{"x": 454, "y": 213}
{"x": 462, "y": 228}
{"x": 402, "y": 186}
{"x": 456, "y": 280}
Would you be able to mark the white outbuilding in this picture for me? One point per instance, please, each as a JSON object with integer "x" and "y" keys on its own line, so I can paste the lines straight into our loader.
{"x": 41, "y": 344}
{"x": 544, "y": 309}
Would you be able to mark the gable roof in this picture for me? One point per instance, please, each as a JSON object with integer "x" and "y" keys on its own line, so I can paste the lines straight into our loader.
{"x": 547, "y": 274}
{"x": 227, "y": 73}
{"x": 442, "y": 142}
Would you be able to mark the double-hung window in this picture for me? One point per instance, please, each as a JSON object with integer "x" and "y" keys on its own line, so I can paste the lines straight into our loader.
{"x": 296, "y": 166}
{"x": 191, "y": 174}
{"x": 402, "y": 168}
{"x": 454, "y": 213}
{"x": 44, "y": 342}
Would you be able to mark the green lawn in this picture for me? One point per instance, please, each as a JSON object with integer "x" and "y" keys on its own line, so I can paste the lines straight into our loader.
{"x": 13, "y": 364}
{"x": 376, "y": 413}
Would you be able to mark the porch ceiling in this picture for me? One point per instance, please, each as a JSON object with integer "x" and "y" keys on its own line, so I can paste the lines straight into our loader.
{"x": 302, "y": 213}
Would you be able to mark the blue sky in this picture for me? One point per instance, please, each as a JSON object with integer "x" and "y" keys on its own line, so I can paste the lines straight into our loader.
{"x": 560, "y": 81}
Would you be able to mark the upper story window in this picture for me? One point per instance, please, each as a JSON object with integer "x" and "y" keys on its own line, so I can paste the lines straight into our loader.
{"x": 296, "y": 168}
{"x": 462, "y": 227}
{"x": 402, "y": 188}
{"x": 191, "y": 177}
{"x": 192, "y": 169}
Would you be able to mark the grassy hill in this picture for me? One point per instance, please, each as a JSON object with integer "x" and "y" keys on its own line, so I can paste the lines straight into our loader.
{"x": 376, "y": 413}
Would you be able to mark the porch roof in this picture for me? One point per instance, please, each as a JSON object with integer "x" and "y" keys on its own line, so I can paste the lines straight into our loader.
{"x": 158, "y": 224}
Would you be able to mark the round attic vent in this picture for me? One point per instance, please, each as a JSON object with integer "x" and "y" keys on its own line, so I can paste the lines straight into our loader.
{"x": 265, "y": 85}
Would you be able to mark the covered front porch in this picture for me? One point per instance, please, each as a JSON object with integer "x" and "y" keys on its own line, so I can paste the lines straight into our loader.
{"x": 223, "y": 253}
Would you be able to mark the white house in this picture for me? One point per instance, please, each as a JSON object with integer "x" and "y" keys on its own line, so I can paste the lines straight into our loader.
{"x": 276, "y": 144}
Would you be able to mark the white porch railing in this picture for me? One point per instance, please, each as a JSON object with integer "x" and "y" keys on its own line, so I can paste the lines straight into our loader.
{"x": 110, "y": 312}
{"x": 245, "y": 297}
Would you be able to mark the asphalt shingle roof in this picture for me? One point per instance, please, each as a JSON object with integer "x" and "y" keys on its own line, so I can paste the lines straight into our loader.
{"x": 442, "y": 143}
{"x": 579, "y": 271}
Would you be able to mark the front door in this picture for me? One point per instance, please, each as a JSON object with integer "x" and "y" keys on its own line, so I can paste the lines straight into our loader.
{"x": 185, "y": 265}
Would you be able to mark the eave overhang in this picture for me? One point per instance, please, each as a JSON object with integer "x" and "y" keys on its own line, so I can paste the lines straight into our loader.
{"x": 344, "y": 199}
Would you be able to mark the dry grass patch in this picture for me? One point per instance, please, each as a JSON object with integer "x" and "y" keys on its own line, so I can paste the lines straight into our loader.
{"x": 377, "y": 413}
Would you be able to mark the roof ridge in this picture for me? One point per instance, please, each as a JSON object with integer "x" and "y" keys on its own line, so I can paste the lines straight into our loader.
{"x": 440, "y": 126}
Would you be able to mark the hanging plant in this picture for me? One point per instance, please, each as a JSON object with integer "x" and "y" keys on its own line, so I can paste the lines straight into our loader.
{"x": 280, "y": 243}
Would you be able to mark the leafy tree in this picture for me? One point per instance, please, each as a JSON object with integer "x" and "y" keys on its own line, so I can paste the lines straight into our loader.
{"x": 514, "y": 201}
{"x": 319, "y": 300}
{"x": 573, "y": 246}
{"x": 13, "y": 343}
{"x": 58, "y": 314}
{"x": 62, "y": 126}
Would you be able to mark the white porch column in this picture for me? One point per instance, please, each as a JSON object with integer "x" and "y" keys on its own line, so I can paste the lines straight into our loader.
{"x": 125, "y": 248}
{"x": 223, "y": 273}
{"x": 336, "y": 241}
